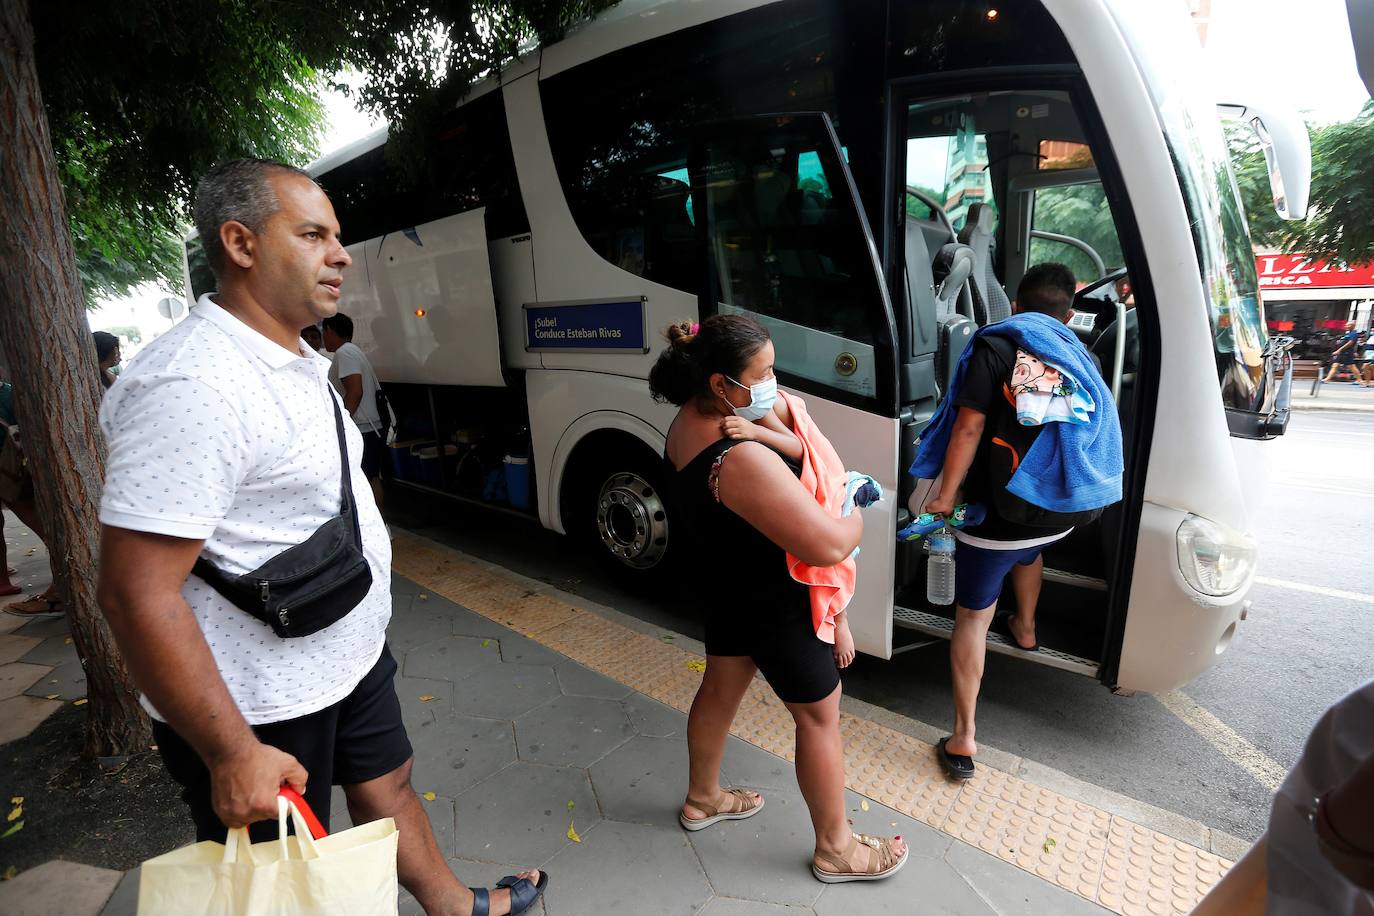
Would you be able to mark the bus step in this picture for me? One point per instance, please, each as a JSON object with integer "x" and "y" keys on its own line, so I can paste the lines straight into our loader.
{"x": 935, "y": 625}
{"x": 1074, "y": 579}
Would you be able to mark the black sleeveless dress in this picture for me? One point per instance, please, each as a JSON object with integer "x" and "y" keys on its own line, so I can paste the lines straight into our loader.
{"x": 750, "y": 603}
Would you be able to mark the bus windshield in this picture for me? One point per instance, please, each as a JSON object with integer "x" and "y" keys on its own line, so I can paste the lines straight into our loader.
{"x": 1220, "y": 234}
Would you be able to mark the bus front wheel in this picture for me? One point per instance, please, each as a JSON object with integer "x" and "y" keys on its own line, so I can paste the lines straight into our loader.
{"x": 632, "y": 520}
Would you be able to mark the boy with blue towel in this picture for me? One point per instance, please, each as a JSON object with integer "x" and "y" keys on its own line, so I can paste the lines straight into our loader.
{"x": 1029, "y": 430}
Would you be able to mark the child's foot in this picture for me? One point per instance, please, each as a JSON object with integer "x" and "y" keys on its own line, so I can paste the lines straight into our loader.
{"x": 844, "y": 645}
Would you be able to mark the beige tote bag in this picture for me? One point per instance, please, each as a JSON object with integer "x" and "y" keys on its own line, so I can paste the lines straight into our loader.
{"x": 351, "y": 873}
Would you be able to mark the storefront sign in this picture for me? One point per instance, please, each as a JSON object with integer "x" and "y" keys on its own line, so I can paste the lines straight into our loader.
{"x": 608, "y": 326}
{"x": 1299, "y": 271}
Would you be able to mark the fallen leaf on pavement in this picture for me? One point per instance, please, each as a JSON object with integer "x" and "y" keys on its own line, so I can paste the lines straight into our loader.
{"x": 697, "y": 664}
{"x": 863, "y": 803}
{"x": 426, "y": 698}
{"x": 67, "y": 641}
{"x": 571, "y": 805}
{"x": 17, "y": 800}
{"x": 14, "y": 828}
{"x": 1049, "y": 844}
{"x": 423, "y": 597}
{"x": 572, "y": 834}
{"x": 485, "y": 643}
{"x": 53, "y": 696}
{"x": 80, "y": 702}
{"x": 14, "y": 815}
{"x": 429, "y": 796}
{"x": 667, "y": 637}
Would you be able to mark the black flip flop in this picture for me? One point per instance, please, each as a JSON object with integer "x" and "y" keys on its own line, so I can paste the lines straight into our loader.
{"x": 523, "y": 893}
{"x": 1004, "y": 627}
{"x": 956, "y": 766}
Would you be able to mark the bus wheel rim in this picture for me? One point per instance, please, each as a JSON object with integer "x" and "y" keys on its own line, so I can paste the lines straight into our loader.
{"x": 632, "y": 520}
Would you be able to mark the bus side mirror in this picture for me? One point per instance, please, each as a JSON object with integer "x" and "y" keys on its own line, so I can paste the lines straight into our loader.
{"x": 1287, "y": 151}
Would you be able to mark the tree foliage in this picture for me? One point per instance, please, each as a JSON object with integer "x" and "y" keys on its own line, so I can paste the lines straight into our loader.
{"x": 1079, "y": 211}
{"x": 1340, "y": 218}
{"x": 144, "y": 96}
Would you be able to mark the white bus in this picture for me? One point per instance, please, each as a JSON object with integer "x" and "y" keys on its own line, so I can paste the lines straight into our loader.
{"x": 869, "y": 179}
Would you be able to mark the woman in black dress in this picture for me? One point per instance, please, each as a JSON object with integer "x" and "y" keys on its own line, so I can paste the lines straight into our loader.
{"x": 743, "y": 510}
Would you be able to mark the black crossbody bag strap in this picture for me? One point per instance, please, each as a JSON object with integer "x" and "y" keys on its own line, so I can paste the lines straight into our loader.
{"x": 346, "y": 504}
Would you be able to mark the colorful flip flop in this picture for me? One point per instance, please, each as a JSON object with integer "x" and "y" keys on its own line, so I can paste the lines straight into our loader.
{"x": 964, "y": 515}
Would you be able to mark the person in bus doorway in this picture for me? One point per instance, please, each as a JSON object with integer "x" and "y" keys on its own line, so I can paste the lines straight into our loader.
{"x": 1020, "y": 380}
{"x": 228, "y": 448}
{"x": 744, "y": 510}
{"x": 352, "y": 374}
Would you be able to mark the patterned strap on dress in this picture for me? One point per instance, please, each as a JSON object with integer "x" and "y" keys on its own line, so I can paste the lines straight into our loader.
{"x": 713, "y": 478}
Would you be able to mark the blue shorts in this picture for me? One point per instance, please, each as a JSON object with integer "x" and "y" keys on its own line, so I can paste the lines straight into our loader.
{"x": 980, "y": 572}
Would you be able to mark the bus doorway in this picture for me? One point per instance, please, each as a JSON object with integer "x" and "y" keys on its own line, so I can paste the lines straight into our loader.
{"x": 994, "y": 182}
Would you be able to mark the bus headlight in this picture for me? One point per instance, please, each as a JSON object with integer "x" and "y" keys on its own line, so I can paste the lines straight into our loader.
{"x": 1214, "y": 559}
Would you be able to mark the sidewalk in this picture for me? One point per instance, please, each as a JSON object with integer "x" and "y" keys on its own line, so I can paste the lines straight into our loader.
{"x": 551, "y": 733}
{"x": 1341, "y": 396}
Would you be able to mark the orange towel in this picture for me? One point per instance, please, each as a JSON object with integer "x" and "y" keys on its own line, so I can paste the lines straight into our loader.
{"x": 823, "y": 475}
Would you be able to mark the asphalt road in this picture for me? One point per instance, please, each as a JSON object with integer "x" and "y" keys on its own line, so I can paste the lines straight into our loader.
{"x": 1299, "y": 651}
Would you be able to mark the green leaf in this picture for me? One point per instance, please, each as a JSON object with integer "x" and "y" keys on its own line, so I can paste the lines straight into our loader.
{"x": 14, "y": 828}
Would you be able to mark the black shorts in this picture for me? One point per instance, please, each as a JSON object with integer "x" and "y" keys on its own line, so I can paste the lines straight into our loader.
{"x": 357, "y": 739}
{"x": 797, "y": 665}
{"x": 374, "y": 449}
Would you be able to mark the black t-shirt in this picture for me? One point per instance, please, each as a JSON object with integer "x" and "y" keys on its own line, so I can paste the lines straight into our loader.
{"x": 986, "y": 390}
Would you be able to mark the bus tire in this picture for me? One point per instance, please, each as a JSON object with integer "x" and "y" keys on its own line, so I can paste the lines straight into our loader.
{"x": 619, "y": 507}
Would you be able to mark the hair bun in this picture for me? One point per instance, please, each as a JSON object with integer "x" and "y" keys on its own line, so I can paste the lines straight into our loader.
{"x": 682, "y": 333}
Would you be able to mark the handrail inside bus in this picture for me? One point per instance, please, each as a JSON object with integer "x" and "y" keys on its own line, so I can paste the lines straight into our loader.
{"x": 1119, "y": 366}
{"x": 935, "y": 208}
{"x": 1076, "y": 243}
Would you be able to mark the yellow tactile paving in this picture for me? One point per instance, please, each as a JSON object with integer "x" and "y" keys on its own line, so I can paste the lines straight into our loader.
{"x": 1123, "y": 866}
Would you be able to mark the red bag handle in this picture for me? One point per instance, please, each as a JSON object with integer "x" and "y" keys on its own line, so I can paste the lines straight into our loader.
{"x": 317, "y": 830}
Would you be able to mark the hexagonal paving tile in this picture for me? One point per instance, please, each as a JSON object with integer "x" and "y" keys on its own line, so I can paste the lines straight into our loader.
{"x": 13, "y": 648}
{"x": 464, "y": 622}
{"x": 54, "y": 651}
{"x": 728, "y": 906}
{"x": 17, "y": 677}
{"x": 420, "y": 713}
{"x": 507, "y": 691}
{"x": 572, "y": 731}
{"x": 1012, "y": 890}
{"x": 627, "y": 869}
{"x": 43, "y": 627}
{"x": 451, "y": 658}
{"x": 937, "y": 886}
{"x": 457, "y": 752}
{"x": 577, "y": 680}
{"x": 643, "y": 781}
{"x": 68, "y": 681}
{"x": 767, "y": 857}
{"x": 522, "y": 814}
{"x": 652, "y": 718}
{"x": 522, "y": 649}
{"x": 413, "y": 625}
{"x": 746, "y": 765}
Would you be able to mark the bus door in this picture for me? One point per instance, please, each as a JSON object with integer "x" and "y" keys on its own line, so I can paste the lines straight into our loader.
{"x": 991, "y": 176}
{"x": 786, "y": 242}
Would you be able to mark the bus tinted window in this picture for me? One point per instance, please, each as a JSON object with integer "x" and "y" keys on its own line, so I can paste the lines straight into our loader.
{"x": 469, "y": 165}
{"x": 622, "y": 156}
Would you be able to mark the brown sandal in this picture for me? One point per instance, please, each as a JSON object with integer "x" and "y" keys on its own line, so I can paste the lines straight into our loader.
{"x": 883, "y": 865}
{"x": 37, "y": 606}
{"x": 737, "y": 797}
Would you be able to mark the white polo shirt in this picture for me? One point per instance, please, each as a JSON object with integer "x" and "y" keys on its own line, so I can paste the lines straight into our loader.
{"x": 218, "y": 434}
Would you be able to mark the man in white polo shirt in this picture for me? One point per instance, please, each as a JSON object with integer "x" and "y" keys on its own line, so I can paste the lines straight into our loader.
{"x": 224, "y": 445}
{"x": 352, "y": 374}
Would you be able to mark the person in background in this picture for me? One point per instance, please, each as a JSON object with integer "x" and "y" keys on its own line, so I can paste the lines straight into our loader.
{"x": 25, "y": 509}
{"x": 352, "y": 374}
{"x": 1348, "y": 353}
{"x": 107, "y": 352}
{"x": 314, "y": 340}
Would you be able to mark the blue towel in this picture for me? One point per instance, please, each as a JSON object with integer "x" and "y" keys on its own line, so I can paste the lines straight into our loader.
{"x": 1070, "y": 468}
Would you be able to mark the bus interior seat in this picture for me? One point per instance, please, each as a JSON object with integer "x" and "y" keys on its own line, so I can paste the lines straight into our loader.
{"x": 951, "y": 270}
{"x": 920, "y": 293}
{"x": 979, "y": 230}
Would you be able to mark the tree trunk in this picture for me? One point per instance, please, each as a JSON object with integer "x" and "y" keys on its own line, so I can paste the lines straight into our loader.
{"x": 52, "y": 363}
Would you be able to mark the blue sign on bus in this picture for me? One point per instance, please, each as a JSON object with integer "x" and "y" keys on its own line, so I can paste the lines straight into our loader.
{"x": 595, "y": 324}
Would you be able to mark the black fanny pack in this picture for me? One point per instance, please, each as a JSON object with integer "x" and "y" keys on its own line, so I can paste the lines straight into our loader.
{"x": 307, "y": 587}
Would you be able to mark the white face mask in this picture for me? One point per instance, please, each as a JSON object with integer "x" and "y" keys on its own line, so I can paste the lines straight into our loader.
{"x": 762, "y": 395}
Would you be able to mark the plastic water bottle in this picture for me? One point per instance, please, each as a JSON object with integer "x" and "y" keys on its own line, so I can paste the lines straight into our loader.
{"x": 940, "y": 568}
